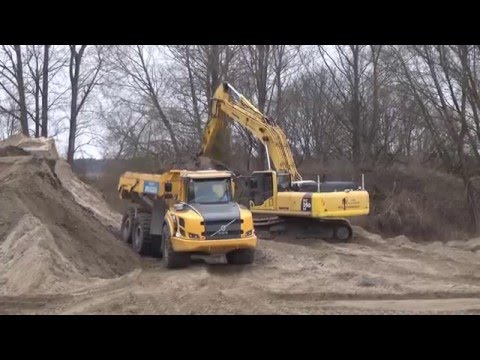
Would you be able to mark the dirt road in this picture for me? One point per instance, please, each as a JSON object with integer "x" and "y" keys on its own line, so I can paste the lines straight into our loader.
{"x": 58, "y": 255}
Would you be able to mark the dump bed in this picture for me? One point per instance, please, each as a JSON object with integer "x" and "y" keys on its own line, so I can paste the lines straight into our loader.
{"x": 154, "y": 184}
{"x": 141, "y": 183}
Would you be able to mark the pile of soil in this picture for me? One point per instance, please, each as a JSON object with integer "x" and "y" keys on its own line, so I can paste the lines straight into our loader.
{"x": 41, "y": 147}
{"x": 50, "y": 241}
{"x": 12, "y": 151}
{"x": 87, "y": 196}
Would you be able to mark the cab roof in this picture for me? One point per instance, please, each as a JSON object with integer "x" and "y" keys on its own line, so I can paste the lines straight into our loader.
{"x": 204, "y": 174}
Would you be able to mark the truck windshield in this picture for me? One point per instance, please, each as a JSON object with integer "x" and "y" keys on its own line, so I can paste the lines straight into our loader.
{"x": 209, "y": 191}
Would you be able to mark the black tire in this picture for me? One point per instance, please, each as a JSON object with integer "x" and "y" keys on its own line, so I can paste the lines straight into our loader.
{"x": 241, "y": 256}
{"x": 171, "y": 258}
{"x": 126, "y": 229}
{"x": 141, "y": 239}
{"x": 342, "y": 233}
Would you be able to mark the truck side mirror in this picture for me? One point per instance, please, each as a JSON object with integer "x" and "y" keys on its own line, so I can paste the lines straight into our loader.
{"x": 168, "y": 187}
{"x": 179, "y": 207}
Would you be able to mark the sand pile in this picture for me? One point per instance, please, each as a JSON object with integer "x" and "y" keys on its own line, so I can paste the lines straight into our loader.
{"x": 49, "y": 240}
{"x": 87, "y": 196}
{"x": 42, "y": 147}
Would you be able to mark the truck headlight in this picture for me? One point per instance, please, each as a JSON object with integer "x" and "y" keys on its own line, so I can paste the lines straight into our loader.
{"x": 193, "y": 236}
{"x": 249, "y": 233}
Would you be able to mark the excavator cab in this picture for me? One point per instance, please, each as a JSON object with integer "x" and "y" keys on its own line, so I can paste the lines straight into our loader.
{"x": 261, "y": 187}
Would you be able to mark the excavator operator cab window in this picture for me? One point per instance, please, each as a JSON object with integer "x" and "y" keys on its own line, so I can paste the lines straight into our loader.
{"x": 283, "y": 181}
{"x": 261, "y": 187}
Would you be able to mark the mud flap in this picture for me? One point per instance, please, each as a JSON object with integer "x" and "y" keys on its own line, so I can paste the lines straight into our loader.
{"x": 158, "y": 213}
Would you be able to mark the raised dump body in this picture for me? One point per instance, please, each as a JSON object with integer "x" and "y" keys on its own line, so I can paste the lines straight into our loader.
{"x": 179, "y": 213}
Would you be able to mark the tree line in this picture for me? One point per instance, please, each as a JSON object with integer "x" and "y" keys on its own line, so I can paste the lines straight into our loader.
{"x": 371, "y": 105}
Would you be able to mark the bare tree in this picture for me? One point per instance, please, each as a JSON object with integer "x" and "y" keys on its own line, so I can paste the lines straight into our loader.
{"x": 82, "y": 81}
{"x": 35, "y": 71}
{"x": 11, "y": 70}
{"x": 438, "y": 81}
{"x": 141, "y": 75}
{"x": 198, "y": 71}
{"x": 347, "y": 67}
{"x": 258, "y": 83}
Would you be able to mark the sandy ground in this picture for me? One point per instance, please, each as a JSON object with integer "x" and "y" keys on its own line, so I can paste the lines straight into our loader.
{"x": 58, "y": 255}
{"x": 363, "y": 277}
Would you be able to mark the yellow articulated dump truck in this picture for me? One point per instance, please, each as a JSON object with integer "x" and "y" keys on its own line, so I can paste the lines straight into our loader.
{"x": 179, "y": 213}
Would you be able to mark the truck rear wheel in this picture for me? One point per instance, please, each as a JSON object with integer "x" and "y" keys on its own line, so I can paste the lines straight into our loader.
{"x": 172, "y": 259}
{"x": 241, "y": 256}
{"x": 126, "y": 230}
{"x": 141, "y": 234}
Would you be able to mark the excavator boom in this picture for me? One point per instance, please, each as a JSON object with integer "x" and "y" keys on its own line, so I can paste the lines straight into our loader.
{"x": 247, "y": 115}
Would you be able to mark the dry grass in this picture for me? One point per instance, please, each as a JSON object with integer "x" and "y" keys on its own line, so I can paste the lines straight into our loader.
{"x": 420, "y": 203}
{"x": 417, "y": 202}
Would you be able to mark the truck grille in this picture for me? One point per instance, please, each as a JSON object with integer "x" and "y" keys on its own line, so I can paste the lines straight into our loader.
{"x": 232, "y": 231}
{"x": 228, "y": 235}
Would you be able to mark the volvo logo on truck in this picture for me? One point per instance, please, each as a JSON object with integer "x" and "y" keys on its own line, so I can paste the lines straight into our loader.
{"x": 223, "y": 229}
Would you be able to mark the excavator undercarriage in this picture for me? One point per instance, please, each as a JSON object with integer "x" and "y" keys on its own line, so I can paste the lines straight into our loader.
{"x": 332, "y": 230}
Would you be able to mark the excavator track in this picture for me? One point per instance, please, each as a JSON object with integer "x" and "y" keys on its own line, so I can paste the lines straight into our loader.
{"x": 332, "y": 230}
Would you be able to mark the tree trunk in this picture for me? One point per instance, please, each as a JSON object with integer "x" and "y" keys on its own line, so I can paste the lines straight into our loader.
{"x": 21, "y": 91}
{"x": 473, "y": 206}
{"x": 261, "y": 80}
{"x": 75, "y": 60}
{"x": 355, "y": 112}
{"x": 196, "y": 111}
{"x": 37, "y": 107}
{"x": 370, "y": 140}
{"x": 45, "y": 91}
{"x": 73, "y": 121}
{"x": 167, "y": 124}
{"x": 221, "y": 149}
{"x": 278, "y": 76}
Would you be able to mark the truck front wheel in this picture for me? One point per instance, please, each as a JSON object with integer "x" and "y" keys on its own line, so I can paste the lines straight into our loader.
{"x": 172, "y": 259}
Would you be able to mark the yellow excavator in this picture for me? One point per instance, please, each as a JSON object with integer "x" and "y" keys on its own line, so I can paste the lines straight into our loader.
{"x": 281, "y": 201}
